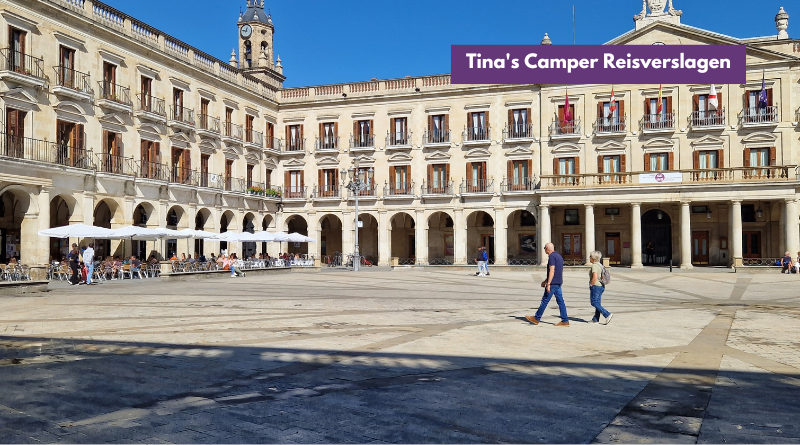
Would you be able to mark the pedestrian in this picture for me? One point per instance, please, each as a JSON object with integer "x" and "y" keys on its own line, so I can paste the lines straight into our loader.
{"x": 786, "y": 263}
{"x": 552, "y": 287}
{"x": 74, "y": 258}
{"x": 597, "y": 287}
{"x": 485, "y": 258}
{"x": 479, "y": 260}
{"x": 88, "y": 260}
{"x": 650, "y": 251}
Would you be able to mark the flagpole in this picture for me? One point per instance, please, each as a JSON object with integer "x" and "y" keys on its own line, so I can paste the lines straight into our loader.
{"x": 573, "y": 24}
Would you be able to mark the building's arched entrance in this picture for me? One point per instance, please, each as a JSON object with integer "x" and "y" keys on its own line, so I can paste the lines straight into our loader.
{"x": 521, "y": 238}
{"x": 441, "y": 242}
{"x": 102, "y": 218}
{"x": 265, "y": 223}
{"x": 368, "y": 238}
{"x": 225, "y": 221}
{"x": 248, "y": 225}
{"x": 656, "y": 238}
{"x": 60, "y": 214}
{"x": 480, "y": 233}
{"x": 13, "y": 207}
{"x": 141, "y": 217}
{"x": 176, "y": 219}
{"x": 331, "y": 237}
{"x": 404, "y": 243}
{"x": 201, "y": 220}
{"x": 297, "y": 224}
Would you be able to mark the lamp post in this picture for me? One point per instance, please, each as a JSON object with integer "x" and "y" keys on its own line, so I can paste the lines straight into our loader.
{"x": 356, "y": 186}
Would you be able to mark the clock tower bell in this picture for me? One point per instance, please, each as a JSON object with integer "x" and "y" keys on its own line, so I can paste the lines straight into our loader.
{"x": 256, "y": 53}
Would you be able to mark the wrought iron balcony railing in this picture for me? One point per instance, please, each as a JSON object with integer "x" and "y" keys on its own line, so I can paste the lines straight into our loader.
{"x": 477, "y": 186}
{"x": 398, "y": 139}
{"x": 518, "y": 131}
{"x": 657, "y": 122}
{"x": 181, "y": 114}
{"x": 437, "y": 137}
{"x": 74, "y": 80}
{"x": 327, "y": 191}
{"x": 477, "y": 134}
{"x": 399, "y": 189}
{"x": 208, "y": 123}
{"x": 233, "y": 131}
{"x": 254, "y": 137}
{"x": 362, "y": 141}
{"x": 329, "y": 143}
{"x": 294, "y": 192}
{"x": 295, "y": 144}
{"x": 115, "y": 93}
{"x": 151, "y": 104}
{"x": 273, "y": 143}
{"x": 116, "y": 164}
{"x": 766, "y": 115}
{"x": 711, "y": 118}
{"x": 22, "y": 63}
{"x": 519, "y": 184}
{"x": 615, "y": 124}
{"x": 437, "y": 188}
{"x": 154, "y": 170}
{"x": 565, "y": 128}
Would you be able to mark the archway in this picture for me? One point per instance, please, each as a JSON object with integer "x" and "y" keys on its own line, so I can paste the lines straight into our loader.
{"x": 176, "y": 219}
{"x": 13, "y": 207}
{"x": 403, "y": 241}
{"x": 265, "y": 224}
{"x": 331, "y": 237}
{"x": 441, "y": 242}
{"x": 298, "y": 224}
{"x": 225, "y": 221}
{"x": 102, "y": 218}
{"x": 201, "y": 220}
{"x": 248, "y": 249}
{"x": 60, "y": 213}
{"x": 656, "y": 230}
{"x": 142, "y": 215}
{"x": 368, "y": 238}
{"x": 480, "y": 233}
{"x": 521, "y": 238}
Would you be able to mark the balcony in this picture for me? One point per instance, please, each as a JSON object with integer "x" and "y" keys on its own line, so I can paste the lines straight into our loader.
{"x": 36, "y": 150}
{"x": 266, "y": 191}
{"x": 519, "y": 185}
{"x": 183, "y": 176}
{"x": 153, "y": 170}
{"x": 707, "y": 120}
{"x": 700, "y": 177}
{"x": 477, "y": 187}
{"x": 362, "y": 142}
{"x": 759, "y": 117}
{"x": 327, "y": 192}
{"x": 477, "y": 135}
{"x": 399, "y": 141}
{"x": 398, "y": 190}
{"x": 371, "y": 192}
{"x": 208, "y": 126}
{"x": 565, "y": 129}
{"x": 433, "y": 189}
{"x": 115, "y": 164}
{"x": 22, "y": 68}
{"x": 657, "y": 123}
{"x": 150, "y": 108}
{"x": 518, "y": 133}
{"x": 294, "y": 145}
{"x": 273, "y": 144}
{"x": 294, "y": 193}
{"x": 232, "y": 133}
{"x": 114, "y": 97}
{"x": 72, "y": 84}
{"x": 327, "y": 143}
{"x": 436, "y": 138}
{"x": 610, "y": 126}
{"x": 235, "y": 185}
{"x": 181, "y": 118}
{"x": 254, "y": 139}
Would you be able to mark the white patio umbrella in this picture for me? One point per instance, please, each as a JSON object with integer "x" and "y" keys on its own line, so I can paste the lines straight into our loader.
{"x": 298, "y": 238}
{"x": 78, "y": 231}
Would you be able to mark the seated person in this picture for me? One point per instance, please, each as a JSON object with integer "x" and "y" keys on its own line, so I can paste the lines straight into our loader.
{"x": 136, "y": 265}
{"x": 108, "y": 268}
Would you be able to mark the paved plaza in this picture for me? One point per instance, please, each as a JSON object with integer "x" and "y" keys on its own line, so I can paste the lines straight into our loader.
{"x": 426, "y": 355}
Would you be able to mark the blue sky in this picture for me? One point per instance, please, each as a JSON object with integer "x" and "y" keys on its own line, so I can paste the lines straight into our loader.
{"x": 323, "y": 42}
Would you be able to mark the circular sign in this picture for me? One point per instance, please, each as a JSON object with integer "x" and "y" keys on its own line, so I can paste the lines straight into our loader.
{"x": 660, "y": 177}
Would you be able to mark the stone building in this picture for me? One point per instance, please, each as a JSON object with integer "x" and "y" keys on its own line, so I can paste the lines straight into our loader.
{"x": 111, "y": 122}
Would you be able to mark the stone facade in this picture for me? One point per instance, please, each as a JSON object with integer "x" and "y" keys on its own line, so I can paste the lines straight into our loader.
{"x": 202, "y": 144}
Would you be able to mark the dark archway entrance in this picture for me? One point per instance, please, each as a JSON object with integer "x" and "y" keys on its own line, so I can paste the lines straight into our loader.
{"x": 656, "y": 233}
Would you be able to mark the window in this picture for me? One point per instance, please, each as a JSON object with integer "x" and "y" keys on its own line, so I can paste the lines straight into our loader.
{"x": 611, "y": 121}
{"x": 438, "y": 129}
{"x": 69, "y": 138}
{"x": 571, "y": 217}
{"x": 362, "y": 133}
{"x": 181, "y": 165}
{"x": 328, "y": 182}
{"x": 294, "y": 137}
{"x": 204, "y": 124}
{"x": 611, "y": 164}
{"x": 477, "y": 127}
{"x": 270, "y": 135}
{"x": 754, "y": 112}
{"x": 704, "y": 113}
{"x": 760, "y": 157}
{"x": 293, "y": 184}
{"x": 66, "y": 67}
{"x": 519, "y": 175}
{"x": 658, "y": 162}
{"x": 519, "y": 123}
{"x": 177, "y": 104}
{"x": 438, "y": 175}
{"x": 708, "y": 160}
{"x": 248, "y": 128}
{"x": 16, "y": 38}
{"x": 399, "y": 133}
{"x": 228, "y": 174}
{"x": 655, "y": 120}
{"x": 151, "y": 159}
{"x": 204, "y": 159}
{"x": 328, "y": 136}
{"x": 568, "y": 169}
{"x": 109, "y": 81}
{"x": 400, "y": 177}
{"x": 146, "y": 94}
{"x": 565, "y": 166}
{"x": 367, "y": 176}
{"x": 268, "y": 178}
{"x": 748, "y": 213}
{"x": 476, "y": 177}
{"x": 250, "y": 175}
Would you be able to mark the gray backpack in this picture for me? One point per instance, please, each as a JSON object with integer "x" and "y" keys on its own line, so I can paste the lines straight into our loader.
{"x": 605, "y": 276}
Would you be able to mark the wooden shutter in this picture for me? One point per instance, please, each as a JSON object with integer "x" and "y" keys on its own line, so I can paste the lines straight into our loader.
{"x": 392, "y": 176}
{"x": 105, "y": 142}
{"x": 530, "y": 168}
{"x": 430, "y": 175}
{"x": 446, "y": 174}
{"x": 555, "y": 166}
{"x": 118, "y": 145}
{"x": 623, "y": 163}
{"x": 719, "y": 99}
{"x": 773, "y": 156}
{"x": 301, "y": 134}
{"x": 696, "y": 160}
{"x": 408, "y": 175}
{"x": 371, "y": 127}
{"x": 746, "y": 157}
{"x": 156, "y": 156}
{"x": 430, "y": 126}
{"x": 186, "y": 157}
{"x": 600, "y": 109}
{"x": 669, "y": 105}
{"x": 12, "y": 123}
{"x": 355, "y": 131}
{"x": 469, "y": 172}
{"x": 647, "y": 161}
{"x": 446, "y": 123}
{"x": 79, "y": 136}
{"x": 646, "y": 110}
{"x": 510, "y": 118}
{"x": 561, "y": 114}
{"x": 671, "y": 161}
{"x": 287, "y": 180}
{"x": 744, "y": 100}
{"x": 302, "y": 178}
{"x": 769, "y": 97}
{"x": 720, "y": 158}
{"x": 600, "y": 164}
{"x": 622, "y": 123}
{"x": 391, "y": 126}
{"x": 469, "y": 120}
{"x": 321, "y": 133}
{"x": 577, "y": 165}
{"x": 145, "y": 152}
{"x": 528, "y": 116}
{"x": 288, "y": 134}
{"x": 510, "y": 168}
{"x": 696, "y": 102}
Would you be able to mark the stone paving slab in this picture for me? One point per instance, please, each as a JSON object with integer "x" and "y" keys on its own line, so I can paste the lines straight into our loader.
{"x": 400, "y": 357}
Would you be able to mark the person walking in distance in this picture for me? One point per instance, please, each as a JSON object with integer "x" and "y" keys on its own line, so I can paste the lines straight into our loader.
{"x": 552, "y": 287}
{"x": 597, "y": 287}
{"x": 485, "y": 258}
{"x": 479, "y": 260}
{"x": 88, "y": 260}
{"x": 74, "y": 258}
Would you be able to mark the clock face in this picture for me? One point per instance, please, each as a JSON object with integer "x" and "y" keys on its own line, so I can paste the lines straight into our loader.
{"x": 246, "y": 31}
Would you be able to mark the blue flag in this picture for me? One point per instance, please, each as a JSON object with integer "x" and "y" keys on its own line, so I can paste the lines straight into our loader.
{"x": 762, "y": 98}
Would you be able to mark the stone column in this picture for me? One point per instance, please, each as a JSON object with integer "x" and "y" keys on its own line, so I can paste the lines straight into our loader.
{"x": 544, "y": 231}
{"x": 421, "y": 237}
{"x": 636, "y": 236}
{"x": 500, "y": 237}
{"x": 384, "y": 238}
{"x": 348, "y": 234}
{"x": 736, "y": 232}
{"x": 792, "y": 227}
{"x": 40, "y": 254}
{"x": 315, "y": 231}
{"x": 273, "y": 249}
{"x": 686, "y": 235}
{"x": 589, "y": 234}
{"x": 460, "y": 237}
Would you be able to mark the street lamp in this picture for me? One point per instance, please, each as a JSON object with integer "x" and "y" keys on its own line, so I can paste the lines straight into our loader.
{"x": 356, "y": 186}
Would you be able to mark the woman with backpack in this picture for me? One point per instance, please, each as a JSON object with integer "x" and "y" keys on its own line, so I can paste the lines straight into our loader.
{"x": 598, "y": 277}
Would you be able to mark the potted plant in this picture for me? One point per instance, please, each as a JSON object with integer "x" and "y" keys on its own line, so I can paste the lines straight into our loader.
{"x": 255, "y": 190}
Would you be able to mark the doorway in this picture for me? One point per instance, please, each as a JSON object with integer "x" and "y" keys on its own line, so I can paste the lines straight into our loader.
{"x": 656, "y": 233}
{"x": 700, "y": 248}
{"x": 572, "y": 247}
{"x": 751, "y": 244}
{"x": 613, "y": 251}
{"x": 487, "y": 241}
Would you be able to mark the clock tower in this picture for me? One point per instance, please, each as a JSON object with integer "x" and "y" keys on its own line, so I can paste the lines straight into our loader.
{"x": 256, "y": 53}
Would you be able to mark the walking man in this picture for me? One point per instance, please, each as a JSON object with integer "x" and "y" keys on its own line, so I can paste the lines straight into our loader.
{"x": 88, "y": 260}
{"x": 479, "y": 260}
{"x": 552, "y": 287}
{"x": 485, "y": 258}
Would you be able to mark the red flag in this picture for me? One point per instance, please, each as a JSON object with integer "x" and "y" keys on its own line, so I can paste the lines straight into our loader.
{"x": 567, "y": 114}
{"x": 659, "y": 106}
{"x": 613, "y": 105}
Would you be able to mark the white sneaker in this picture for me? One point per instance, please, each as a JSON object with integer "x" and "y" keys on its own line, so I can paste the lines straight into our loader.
{"x": 608, "y": 319}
